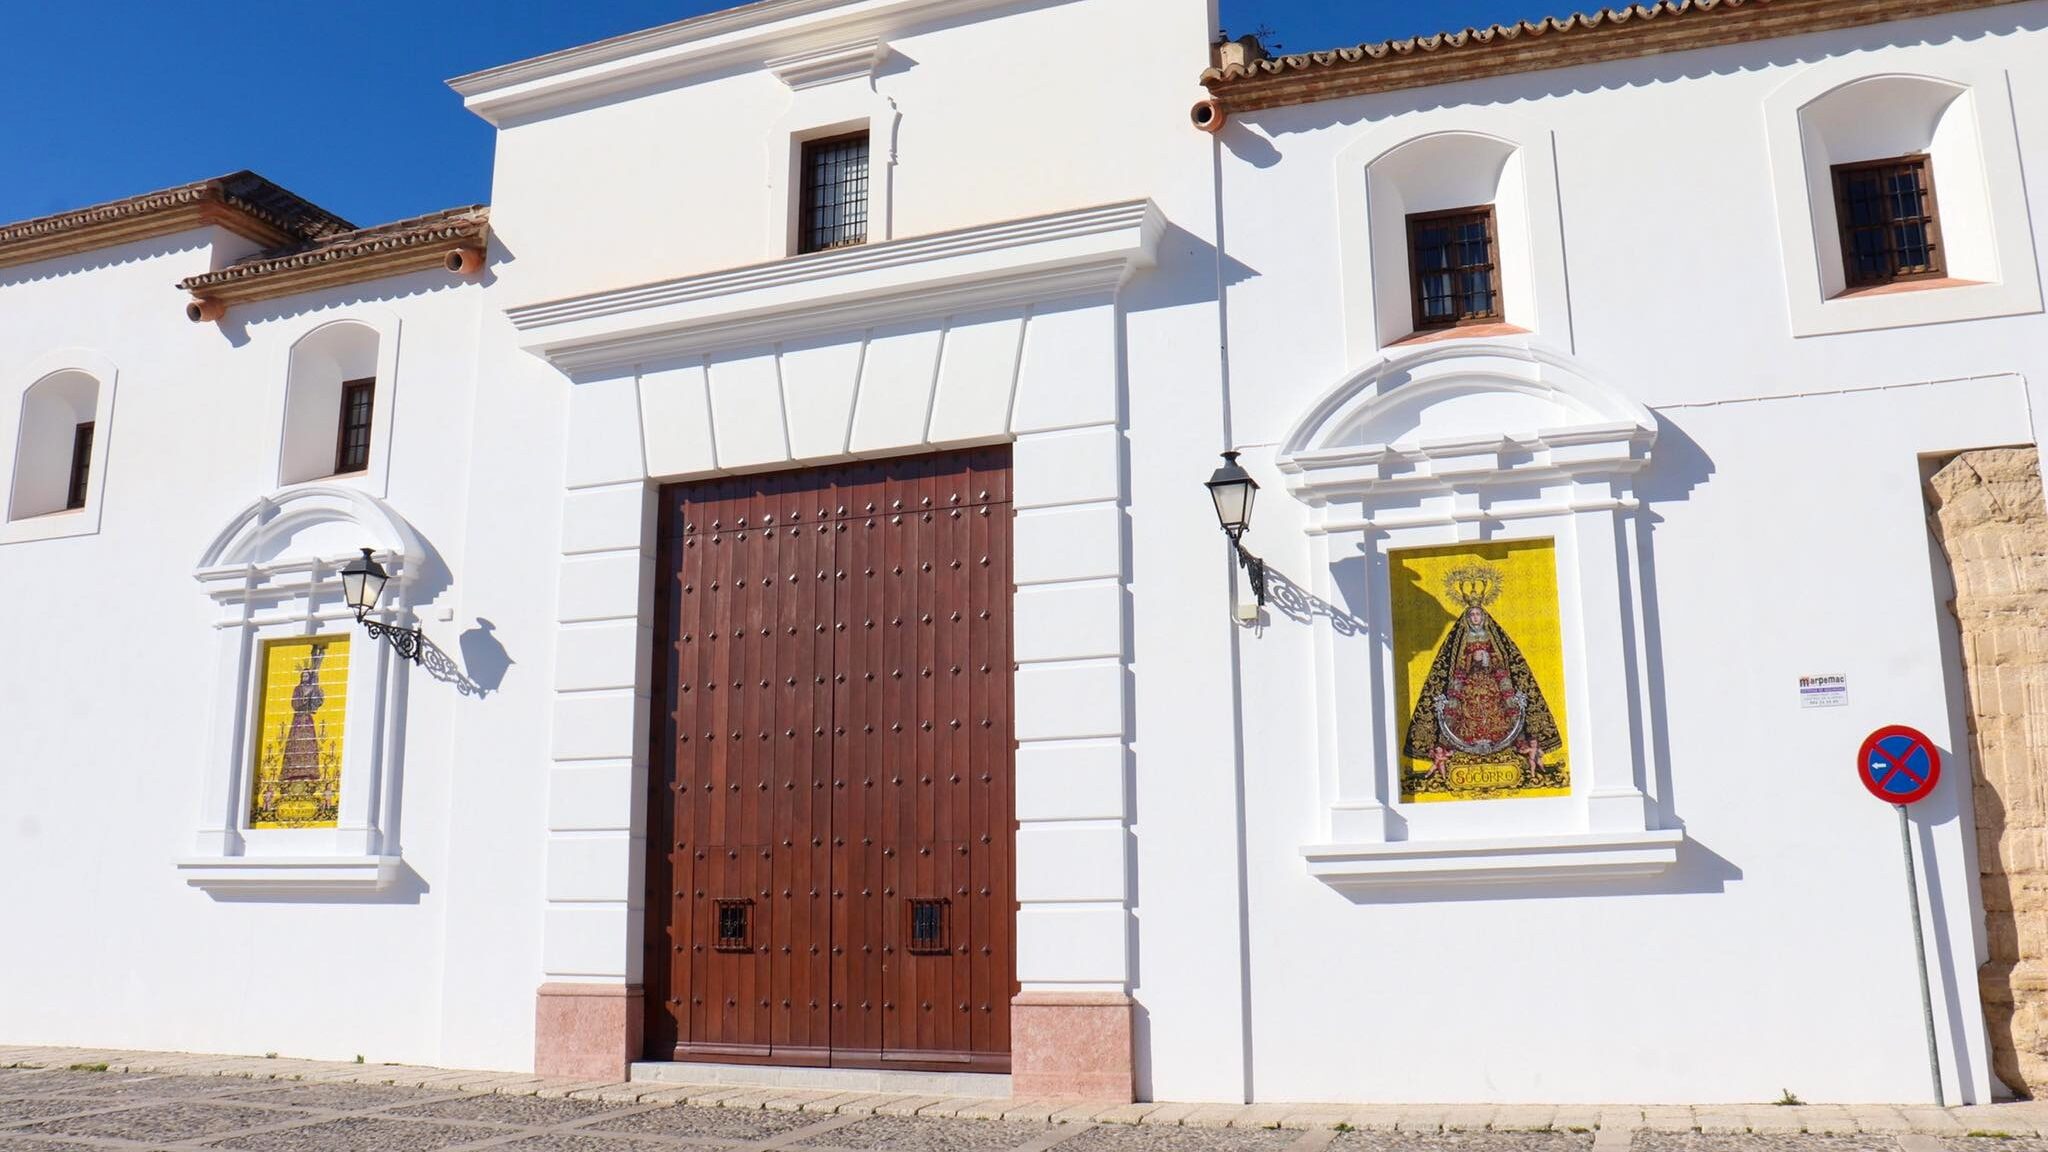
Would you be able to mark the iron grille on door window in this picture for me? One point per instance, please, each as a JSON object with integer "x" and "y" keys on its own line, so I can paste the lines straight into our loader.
{"x": 735, "y": 926}
{"x": 1890, "y": 230}
{"x": 1453, "y": 267}
{"x": 352, "y": 447}
{"x": 928, "y": 927}
{"x": 81, "y": 465}
{"x": 835, "y": 193}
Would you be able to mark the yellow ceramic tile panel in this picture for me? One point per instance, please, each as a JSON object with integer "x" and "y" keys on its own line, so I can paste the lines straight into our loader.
{"x": 1479, "y": 672}
{"x": 299, "y": 717}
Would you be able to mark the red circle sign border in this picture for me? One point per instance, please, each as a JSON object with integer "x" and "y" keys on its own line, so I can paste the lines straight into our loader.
{"x": 1870, "y": 743}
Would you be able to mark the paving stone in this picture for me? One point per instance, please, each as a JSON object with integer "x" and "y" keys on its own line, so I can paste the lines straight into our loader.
{"x": 312, "y": 1094}
{"x": 741, "y": 1125}
{"x": 1932, "y": 1122}
{"x": 529, "y": 1111}
{"x": 906, "y": 1105}
{"x": 124, "y": 1088}
{"x": 1127, "y": 1113}
{"x": 160, "y": 1123}
{"x": 1989, "y": 1142}
{"x": 1525, "y": 1118}
{"x": 574, "y": 1142}
{"x": 1313, "y": 1117}
{"x": 37, "y": 1082}
{"x": 357, "y": 1134}
{"x": 1138, "y": 1138}
{"x": 1462, "y": 1142}
{"x": 918, "y": 1134}
{"x": 1760, "y": 1142}
{"x": 38, "y": 1107}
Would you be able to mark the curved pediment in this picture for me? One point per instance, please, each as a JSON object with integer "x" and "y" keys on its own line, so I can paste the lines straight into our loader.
{"x": 1465, "y": 410}
{"x": 315, "y": 523}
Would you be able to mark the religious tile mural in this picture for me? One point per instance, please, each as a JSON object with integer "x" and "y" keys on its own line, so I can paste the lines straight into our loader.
{"x": 1479, "y": 672}
{"x": 297, "y": 780}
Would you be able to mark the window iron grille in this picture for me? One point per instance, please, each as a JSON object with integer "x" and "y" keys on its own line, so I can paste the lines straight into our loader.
{"x": 352, "y": 443}
{"x": 81, "y": 465}
{"x": 834, "y": 211}
{"x": 928, "y": 935}
{"x": 1890, "y": 228}
{"x": 735, "y": 926}
{"x": 1453, "y": 267}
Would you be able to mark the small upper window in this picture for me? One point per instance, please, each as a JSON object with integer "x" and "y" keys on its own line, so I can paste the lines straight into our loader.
{"x": 1890, "y": 231}
{"x": 352, "y": 445}
{"x": 1454, "y": 267}
{"x": 835, "y": 193}
{"x": 81, "y": 465}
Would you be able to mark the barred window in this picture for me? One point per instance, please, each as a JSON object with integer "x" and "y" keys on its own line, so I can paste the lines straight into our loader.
{"x": 735, "y": 927}
{"x": 81, "y": 465}
{"x": 835, "y": 193}
{"x": 928, "y": 927}
{"x": 1890, "y": 230}
{"x": 352, "y": 444}
{"x": 1453, "y": 267}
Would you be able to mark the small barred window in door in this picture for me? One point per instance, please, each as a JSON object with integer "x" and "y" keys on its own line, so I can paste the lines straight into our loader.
{"x": 296, "y": 780}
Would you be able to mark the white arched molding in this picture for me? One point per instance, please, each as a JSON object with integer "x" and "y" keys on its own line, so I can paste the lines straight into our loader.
{"x": 832, "y": 93}
{"x": 1463, "y": 443}
{"x": 274, "y": 572}
{"x": 1960, "y": 116}
{"x": 1441, "y": 159}
{"x": 51, "y": 396}
{"x": 362, "y": 342}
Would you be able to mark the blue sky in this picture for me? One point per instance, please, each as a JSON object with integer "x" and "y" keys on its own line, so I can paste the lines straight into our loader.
{"x": 343, "y": 101}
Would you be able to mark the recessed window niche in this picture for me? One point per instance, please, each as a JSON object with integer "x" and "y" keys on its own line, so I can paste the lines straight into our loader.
{"x": 1440, "y": 162}
{"x": 56, "y": 459}
{"x": 1956, "y": 124}
{"x": 329, "y": 430}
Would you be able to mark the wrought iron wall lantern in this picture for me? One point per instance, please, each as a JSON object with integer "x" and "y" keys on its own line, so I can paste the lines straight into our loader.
{"x": 1233, "y": 490}
{"x": 362, "y": 584}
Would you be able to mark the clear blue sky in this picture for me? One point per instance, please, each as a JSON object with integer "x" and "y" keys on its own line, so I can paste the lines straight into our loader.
{"x": 343, "y": 101}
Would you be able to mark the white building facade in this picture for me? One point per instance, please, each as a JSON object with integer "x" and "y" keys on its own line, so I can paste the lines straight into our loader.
{"x": 886, "y": 343}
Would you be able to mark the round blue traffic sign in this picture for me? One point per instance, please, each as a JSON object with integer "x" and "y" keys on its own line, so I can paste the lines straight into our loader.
{"x": 1899, "y": 765}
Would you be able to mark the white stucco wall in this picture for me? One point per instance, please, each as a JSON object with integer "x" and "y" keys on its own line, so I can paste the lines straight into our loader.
{"x": 1174, "y": 764}
{"x": 1782, "y": 534}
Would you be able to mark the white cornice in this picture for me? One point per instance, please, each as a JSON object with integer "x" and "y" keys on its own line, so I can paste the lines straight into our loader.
{"x": 1020, "y": 261}
{"x": 1408, "y": 863}
{"x": 748, "y": 35}
{"x": 848, "y": 61}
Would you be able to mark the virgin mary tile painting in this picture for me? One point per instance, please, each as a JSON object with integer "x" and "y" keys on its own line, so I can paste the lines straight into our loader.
{"x": 1479, "y": 672}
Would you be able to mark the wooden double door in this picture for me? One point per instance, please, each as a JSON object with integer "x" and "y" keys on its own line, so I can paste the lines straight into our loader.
{"x": 830, "y": 842}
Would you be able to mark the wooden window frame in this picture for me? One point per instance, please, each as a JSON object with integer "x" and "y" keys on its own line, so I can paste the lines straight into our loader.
{"x": 349, "y": 389}
{"x": 79, "y": 486}
{"x": 1425, "y": 323}
{"x": 1838, "y": 176}
{"x": 807, "y": 197}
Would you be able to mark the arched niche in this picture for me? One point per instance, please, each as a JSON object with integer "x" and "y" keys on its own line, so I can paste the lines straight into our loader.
{"x": 48, "y": 445}
{"x": 1958, "y": 115}
{"x": 321, "y": 364}
{"x": 273, "y": 573}
{"x": 1880, "y": 117}
{"x": 1439, "y": 160}
{"x": 47, "y": 448}
{"x": 1479, "y": 444}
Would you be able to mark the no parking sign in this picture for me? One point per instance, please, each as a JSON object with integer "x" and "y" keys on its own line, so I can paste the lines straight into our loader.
{"x": 1899, "y": 765}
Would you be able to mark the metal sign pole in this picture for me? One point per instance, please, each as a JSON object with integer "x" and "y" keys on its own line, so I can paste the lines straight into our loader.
{"x": 1920, "y": 953}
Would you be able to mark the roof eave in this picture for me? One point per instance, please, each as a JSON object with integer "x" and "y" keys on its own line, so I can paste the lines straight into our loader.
{"x": 1626, "y": 33}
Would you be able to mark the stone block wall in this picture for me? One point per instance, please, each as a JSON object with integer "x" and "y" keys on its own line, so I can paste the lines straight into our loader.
{"x": 1987, "y": 513}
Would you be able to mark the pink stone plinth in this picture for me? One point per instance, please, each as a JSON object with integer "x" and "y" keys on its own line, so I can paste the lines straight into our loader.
{"x": 588, "y": 1031}
{"x": 1071, "y": 1044}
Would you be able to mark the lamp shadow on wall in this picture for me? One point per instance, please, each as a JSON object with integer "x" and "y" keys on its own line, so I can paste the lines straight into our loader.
{"x": 483, "y": 664}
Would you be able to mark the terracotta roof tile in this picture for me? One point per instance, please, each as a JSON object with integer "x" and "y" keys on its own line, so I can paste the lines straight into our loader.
{"x": 242, "y": 202}
{"x": 1610, "y": 33}
{"x": 349, "y": 256}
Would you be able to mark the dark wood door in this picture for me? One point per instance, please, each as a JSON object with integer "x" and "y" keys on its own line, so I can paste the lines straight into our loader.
{"x": 831, "y": 836}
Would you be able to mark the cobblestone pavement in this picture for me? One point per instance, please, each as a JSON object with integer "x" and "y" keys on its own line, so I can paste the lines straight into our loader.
{"x": 78, "y": 1100}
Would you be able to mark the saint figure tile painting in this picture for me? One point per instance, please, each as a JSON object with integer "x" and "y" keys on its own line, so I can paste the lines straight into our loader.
{"x": 1479, "y": 672}
{"x": 297, "y": 777}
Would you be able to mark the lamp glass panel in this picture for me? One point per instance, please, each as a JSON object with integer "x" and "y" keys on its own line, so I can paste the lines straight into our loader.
{"x": 1233, "y": 502}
